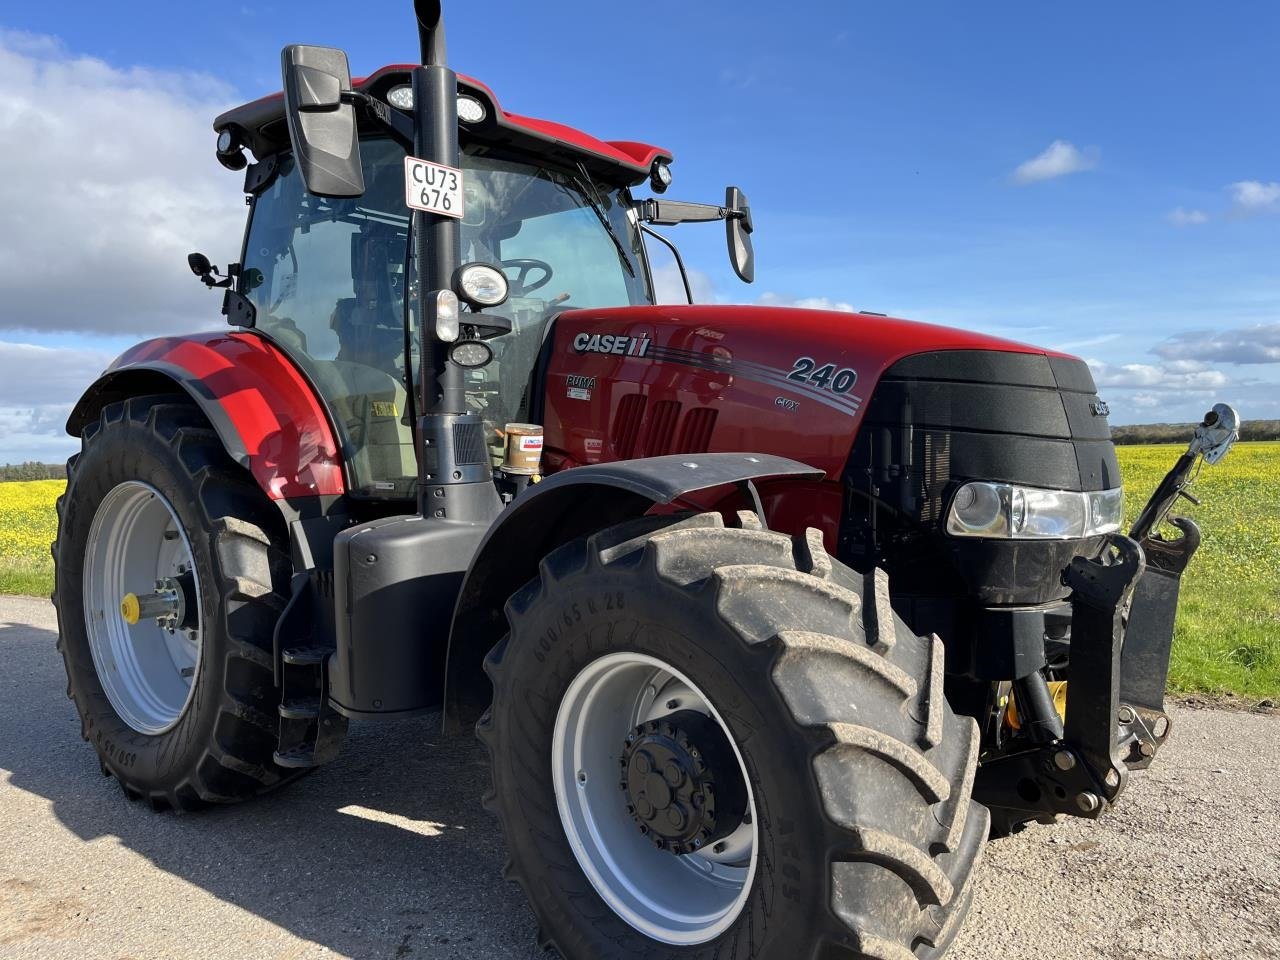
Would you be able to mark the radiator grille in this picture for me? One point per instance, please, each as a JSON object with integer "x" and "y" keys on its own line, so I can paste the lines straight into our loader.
{"x": 626, "y": 425}
{"x": 695, "y": 434}
{"x": 662, "y": 427}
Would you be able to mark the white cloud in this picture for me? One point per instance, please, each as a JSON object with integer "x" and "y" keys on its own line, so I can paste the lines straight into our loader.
{"x": 1163, "y": 376}
{"x": 38, "y": 386}
{"x": 31, "y": 374}
{"x": 35, "y": 433}
{"x": 806, "y": 303}
{"x": 1254, "y": 196}
{"x": 1145, "y": 401}
{"x": 668, "y": 287}
{"x": 1180, "y": 217}
{"x": 109, "y": 181}
{"x": 1257, "y": 344}
{"x": 1093, "y": 341}
{"x": 1057, "y": 160}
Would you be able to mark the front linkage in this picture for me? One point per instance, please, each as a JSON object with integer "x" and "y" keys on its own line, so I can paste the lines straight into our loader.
{"x": 1123, "y": 605}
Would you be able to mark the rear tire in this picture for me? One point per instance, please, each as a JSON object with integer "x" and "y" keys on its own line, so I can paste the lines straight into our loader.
{"x": 217, "y": 745}
{"x": 859, "y": 772}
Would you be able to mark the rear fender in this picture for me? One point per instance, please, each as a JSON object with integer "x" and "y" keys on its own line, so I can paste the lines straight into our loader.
{"x": 568, "y": 505}
{"x": 267, "y": 415}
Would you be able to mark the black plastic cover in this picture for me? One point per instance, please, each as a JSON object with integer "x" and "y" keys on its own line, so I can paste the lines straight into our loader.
{"x": 397, "y": 582}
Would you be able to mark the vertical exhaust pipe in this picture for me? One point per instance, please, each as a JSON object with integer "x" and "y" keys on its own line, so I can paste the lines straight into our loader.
{"x": 430, "y": 32}
{"x": 453, "y": 483}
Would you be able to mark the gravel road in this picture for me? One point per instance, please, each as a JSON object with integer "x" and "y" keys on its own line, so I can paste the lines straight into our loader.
{"x": 386, "y": 853}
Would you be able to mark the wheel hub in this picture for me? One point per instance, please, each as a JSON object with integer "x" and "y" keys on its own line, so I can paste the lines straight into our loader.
{"x": 682, "y": 782}
{"x": 171, "y": 605}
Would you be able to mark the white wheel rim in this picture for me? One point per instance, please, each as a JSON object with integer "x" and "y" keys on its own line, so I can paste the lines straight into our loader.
{"x": 147, "y": 672}
{"x": 681, "y": 900}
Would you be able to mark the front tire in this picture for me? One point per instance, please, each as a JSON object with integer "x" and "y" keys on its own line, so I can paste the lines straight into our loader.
{"x": 862, "y": 839}
{"x": 184, "y": 716}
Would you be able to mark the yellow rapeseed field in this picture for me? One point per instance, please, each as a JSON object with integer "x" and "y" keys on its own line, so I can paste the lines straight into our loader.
{"x": 28, "y": 525}
{"x": 1228, "y": 632}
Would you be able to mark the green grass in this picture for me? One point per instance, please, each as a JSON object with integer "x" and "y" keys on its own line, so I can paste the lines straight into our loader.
{"x": 1228, "y": 632}
{"x": 1227, "y": 638}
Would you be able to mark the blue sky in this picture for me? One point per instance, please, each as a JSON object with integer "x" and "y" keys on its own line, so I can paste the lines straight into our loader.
{"x": 1102, "y": 178}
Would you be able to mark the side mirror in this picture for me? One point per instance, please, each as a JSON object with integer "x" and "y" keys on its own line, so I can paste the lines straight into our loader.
{"x": 208, "y": 273}
{"x": 738, "y": 227}
{"x": 199, "y": 264}
{"x": 322, "y": 126}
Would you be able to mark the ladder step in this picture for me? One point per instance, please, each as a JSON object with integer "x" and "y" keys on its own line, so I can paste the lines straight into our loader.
{"x": 306, "y": 656}
{"x": 301, "y": 755}
{"x": 300, "y": 708}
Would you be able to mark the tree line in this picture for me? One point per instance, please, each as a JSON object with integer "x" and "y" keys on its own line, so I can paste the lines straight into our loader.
{"x": 31, "y": 470}
{"x": 1181, "y": 432}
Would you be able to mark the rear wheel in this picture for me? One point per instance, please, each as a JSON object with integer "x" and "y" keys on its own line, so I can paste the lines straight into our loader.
{"x": 723, "y": 741}
{"x": 170, "y": 564}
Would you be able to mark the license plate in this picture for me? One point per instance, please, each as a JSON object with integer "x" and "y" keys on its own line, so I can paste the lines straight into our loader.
{"x": 433, "y": 187}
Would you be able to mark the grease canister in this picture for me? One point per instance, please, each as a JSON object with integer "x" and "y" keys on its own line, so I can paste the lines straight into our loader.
{"x": 524, "y": 449}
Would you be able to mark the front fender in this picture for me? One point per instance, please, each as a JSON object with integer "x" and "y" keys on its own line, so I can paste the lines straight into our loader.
{"x": 265, "y": 412}
{"x": 568, "y": 505}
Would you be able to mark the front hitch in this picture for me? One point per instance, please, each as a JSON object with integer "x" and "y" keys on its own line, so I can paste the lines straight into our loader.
{"x": 1102, "y": 589}
{"x": 1084, "y": 771}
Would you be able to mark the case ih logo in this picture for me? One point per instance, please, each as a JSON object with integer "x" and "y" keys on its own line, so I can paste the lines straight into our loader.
{"x": 610, "y": 343}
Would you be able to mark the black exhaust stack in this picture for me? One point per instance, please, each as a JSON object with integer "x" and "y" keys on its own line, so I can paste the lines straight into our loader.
{"x": 455, "y": 480}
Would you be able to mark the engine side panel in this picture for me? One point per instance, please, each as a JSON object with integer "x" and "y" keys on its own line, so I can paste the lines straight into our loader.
{"x": 266, "y": 412}
{"x": 648, "y": 381}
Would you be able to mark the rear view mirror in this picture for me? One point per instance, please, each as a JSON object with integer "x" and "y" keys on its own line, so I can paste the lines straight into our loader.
{"x": 738, "y": 227}
{"x": 322, "y": 127}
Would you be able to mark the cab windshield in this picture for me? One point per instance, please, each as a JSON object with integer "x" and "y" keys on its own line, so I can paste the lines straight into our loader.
{"x": 327, "y": 279}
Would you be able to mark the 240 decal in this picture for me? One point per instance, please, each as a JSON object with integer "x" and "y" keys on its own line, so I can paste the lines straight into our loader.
{"x": 826, "y": 377}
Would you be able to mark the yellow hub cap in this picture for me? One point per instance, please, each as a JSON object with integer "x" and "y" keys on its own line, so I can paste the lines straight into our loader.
{"x": 131, "y": 609}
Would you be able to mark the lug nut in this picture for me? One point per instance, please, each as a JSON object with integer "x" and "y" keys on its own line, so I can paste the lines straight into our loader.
{"x": 1127, "y": 715}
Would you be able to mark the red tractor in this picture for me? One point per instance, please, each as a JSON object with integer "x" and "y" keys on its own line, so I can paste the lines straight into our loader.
{"x": 770, "y": 617}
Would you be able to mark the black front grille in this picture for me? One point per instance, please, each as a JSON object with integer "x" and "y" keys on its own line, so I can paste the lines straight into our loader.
{"x": 937, "y": 420}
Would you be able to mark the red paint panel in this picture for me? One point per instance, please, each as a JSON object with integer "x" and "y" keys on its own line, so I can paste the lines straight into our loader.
{"x": 735, "y": 360}
{"x": 281, "y": 424}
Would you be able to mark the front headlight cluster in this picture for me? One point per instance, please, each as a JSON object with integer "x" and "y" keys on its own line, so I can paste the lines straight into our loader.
{"x": 1009, "y": 512}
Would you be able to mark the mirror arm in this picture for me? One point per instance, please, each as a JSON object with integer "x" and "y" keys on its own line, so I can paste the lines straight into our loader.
{"x": 675, "y": 252}
{"x": 668, "y": 213}
{"x": 393, "y": 121}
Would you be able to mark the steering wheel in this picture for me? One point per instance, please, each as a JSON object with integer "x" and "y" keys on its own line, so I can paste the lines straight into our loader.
{"x": 524, "y": 266}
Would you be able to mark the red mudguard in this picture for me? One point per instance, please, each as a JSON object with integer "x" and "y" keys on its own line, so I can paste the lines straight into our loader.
{"x": 266, "y": 412}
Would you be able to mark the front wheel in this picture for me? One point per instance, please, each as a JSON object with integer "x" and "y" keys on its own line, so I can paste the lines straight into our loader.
{"x": 720, "y": 740}
{"x": 170, "y": 564}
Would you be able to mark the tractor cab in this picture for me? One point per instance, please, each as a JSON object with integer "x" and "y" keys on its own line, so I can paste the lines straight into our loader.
{"x": 325, "y": 277}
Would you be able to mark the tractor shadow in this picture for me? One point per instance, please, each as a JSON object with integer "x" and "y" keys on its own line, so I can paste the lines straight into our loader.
{"x": 383, "y": 853}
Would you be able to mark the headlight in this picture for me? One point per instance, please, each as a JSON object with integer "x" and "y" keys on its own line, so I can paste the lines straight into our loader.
{"x": 401, "y": 97}
{"x": 481, "y": 285}
{"x": 470, "y": 354}
{"x": 1009, "y": 512}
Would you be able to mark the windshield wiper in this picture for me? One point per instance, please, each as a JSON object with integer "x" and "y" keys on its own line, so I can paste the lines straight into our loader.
{"x": 588, "y": 190}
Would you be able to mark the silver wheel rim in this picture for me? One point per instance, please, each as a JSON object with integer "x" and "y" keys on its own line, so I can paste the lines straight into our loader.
{"x": 147, "y": 672}
{"x": 674, "y": 899}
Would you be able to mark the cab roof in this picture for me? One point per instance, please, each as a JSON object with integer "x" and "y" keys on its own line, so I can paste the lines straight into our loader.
{"x": 261, "y": 126}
